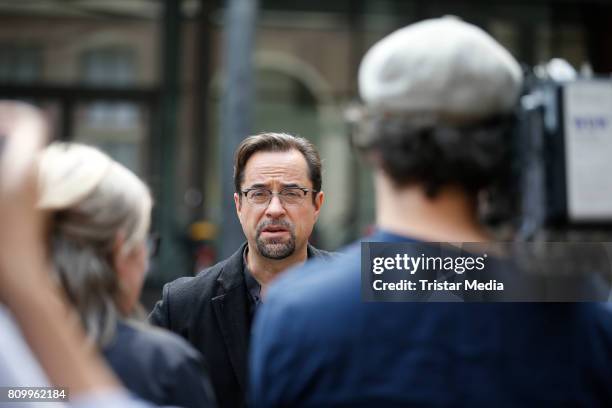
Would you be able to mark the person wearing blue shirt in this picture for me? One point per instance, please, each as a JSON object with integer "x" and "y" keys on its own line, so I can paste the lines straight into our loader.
{"x": 438, "y": 97}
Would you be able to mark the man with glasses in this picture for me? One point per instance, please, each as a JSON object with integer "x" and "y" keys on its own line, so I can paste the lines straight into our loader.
{"x": 277, "y": 181}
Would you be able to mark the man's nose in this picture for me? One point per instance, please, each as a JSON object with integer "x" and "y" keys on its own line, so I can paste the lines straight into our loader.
{"x": 275, "y": 209}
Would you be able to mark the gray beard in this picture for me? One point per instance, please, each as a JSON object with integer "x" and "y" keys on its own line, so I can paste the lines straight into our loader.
{"x": 275, "y": 249}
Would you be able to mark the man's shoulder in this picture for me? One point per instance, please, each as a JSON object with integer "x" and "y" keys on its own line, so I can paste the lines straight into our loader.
{"x": 204, "y": 282}
{"x": 185, "y": 299}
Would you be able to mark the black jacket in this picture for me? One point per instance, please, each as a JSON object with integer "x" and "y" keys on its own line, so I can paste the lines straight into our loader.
{"x": 159, "y": 367}
{"x": 211, "y": 311}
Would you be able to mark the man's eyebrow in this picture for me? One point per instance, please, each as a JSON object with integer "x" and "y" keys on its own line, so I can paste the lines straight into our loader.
{"x": 284, "y": 185}
{"x": 258, "y": 185}
{"x": 291, "y": 185}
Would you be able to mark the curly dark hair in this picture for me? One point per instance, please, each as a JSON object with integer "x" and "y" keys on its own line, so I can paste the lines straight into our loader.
{"x": 471, "y": 156}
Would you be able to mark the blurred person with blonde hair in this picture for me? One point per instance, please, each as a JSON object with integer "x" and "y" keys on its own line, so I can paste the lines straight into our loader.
{"x": 42, "y": 342}
{"x": 99, "y": 214}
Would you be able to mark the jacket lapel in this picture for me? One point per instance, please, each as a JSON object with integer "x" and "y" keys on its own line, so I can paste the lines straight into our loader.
{"x": 232, "y": 312}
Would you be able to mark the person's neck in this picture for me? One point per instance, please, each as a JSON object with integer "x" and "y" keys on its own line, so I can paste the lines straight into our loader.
{"x": 264, "y": 270}
{"x": 450, "y": 216}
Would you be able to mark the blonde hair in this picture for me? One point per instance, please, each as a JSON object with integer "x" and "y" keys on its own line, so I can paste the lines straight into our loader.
{"x": 92, "y": 199}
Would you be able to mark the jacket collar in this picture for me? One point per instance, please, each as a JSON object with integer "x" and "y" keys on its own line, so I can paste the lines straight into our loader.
{"x": 316, "y": 253}
{"x": 231, "y": 275}
{"x": 229, "y": 280}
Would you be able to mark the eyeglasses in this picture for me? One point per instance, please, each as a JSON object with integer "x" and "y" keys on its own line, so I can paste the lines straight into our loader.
{"x": 287, "y": 196}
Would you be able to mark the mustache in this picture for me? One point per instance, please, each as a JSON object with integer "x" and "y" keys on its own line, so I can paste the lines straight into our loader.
{"x": 276, "y": 223}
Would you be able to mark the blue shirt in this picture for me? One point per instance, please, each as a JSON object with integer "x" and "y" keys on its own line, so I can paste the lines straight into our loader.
{"x": 315, "y": 343}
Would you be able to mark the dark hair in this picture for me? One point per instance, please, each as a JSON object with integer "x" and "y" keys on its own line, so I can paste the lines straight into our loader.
{"x": 277, "y": 142}
{"x": 472, "y": 157}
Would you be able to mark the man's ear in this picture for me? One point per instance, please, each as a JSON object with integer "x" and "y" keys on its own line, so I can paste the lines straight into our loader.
{"x": 238, "y": 203}
{"x": 318, "y": 203}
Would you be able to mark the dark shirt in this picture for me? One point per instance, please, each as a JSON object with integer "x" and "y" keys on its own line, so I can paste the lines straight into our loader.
{"x": 253, "y": 287}
{"x": 316, "y": 343}
{"x": 159, "y": 366}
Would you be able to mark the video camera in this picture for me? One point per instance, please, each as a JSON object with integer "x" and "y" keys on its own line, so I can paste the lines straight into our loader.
{"x": 562, "y": 159}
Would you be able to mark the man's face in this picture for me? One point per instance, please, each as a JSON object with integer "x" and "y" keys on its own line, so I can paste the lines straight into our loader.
{"x": 277, "y": 229}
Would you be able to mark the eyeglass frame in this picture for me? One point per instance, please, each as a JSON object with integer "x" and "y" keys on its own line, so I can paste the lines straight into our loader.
{"x": 273, "y": 193}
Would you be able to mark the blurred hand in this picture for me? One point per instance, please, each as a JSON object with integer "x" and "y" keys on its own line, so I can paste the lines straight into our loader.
{"x": 23, "y": 132}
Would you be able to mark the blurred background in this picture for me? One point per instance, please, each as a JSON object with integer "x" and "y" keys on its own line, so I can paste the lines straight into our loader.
{"x": 154, "y": 83}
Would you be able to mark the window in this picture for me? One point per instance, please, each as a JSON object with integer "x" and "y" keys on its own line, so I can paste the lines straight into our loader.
{"x": 116, "y": 127}
{"x": 111, "y": 66}
{"x": 20, "y": 63}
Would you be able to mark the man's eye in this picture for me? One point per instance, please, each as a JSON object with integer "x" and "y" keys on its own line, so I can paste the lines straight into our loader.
{"x": 291, "y": 193}
{"x": 259, "y": 193}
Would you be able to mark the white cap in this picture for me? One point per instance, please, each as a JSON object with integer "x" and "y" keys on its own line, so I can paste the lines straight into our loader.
{"x": 441, "y": 66}
{"x": 68, "y": 172}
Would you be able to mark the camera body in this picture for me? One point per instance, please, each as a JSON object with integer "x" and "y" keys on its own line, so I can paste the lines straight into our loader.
{"x": 562, "y": 158}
